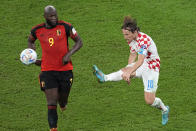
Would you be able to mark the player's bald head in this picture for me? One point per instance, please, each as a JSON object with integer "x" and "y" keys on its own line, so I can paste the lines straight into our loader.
{"x": 49, "y": 9}
{"x": 50, "y": 16}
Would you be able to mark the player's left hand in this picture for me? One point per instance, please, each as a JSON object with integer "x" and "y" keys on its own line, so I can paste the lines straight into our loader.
{"x": 66, "y": 59}
{"x": 126, "y": 76}
{"x": 38, "y": 62}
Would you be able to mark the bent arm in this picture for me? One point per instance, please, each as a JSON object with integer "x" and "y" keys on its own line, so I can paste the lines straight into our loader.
{"x": 137, "y": 64}
{"x": 129, "y": 70}
{"x": 31, "y": 44}
{"x": 75, "y": 48}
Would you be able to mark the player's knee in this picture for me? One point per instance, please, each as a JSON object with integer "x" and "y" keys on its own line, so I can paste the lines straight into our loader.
{"x": 149, "y": 98}
{"x": 52, "y": 102}
{"x": 149, "y": 101}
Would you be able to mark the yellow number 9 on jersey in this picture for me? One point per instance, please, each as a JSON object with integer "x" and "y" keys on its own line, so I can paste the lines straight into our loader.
{"x": 51, "y": 41}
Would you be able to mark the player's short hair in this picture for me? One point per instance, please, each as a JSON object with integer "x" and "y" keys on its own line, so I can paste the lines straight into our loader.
{"x": 130, "y": 24}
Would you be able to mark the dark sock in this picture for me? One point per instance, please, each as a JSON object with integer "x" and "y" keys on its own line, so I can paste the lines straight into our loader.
{"x": 52, "y": 116}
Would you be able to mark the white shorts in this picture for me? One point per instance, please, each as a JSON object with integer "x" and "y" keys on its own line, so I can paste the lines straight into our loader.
{"x": 150, "y": 77}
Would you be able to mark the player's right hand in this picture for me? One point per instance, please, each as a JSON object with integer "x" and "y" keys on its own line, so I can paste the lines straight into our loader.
{"x": 126, "y": 76}
{"x": 38, "y": 62}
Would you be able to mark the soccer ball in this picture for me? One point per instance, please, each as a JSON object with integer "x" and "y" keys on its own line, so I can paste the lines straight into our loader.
{"x": 28, "y": 56}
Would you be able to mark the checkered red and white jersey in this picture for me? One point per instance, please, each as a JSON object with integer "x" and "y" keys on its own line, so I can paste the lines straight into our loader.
{"x": 146, "y": 46}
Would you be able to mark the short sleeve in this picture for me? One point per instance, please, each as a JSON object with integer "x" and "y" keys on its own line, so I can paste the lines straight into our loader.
{"x": 68, "y": 27}
{"x": 73, "y": 32}
{"x": 132, "y": 50}
{"x": 144, "y": 43}
{"x": 33, "y": 33}
{"x": 70, "y": 31}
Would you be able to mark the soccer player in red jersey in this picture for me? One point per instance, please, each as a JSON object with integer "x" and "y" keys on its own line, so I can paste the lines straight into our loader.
{"x": 143, "y": 62}
{"x": 56, "y": 75}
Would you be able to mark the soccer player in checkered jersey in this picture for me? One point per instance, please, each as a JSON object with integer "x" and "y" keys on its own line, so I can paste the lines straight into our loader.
{"x": 56, "y": 75}
{"x": 146, "y": 66}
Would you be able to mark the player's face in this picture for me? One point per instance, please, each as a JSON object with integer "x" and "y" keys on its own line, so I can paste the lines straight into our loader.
{"x": 128, "y": 35}
{"x": 51, "y": 18}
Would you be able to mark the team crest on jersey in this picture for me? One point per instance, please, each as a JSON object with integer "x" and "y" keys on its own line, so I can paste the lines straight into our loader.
{"x": 58, "y": 32}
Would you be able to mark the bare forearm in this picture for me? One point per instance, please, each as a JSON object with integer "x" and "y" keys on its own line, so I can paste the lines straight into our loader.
{"x": 135, "y": 66}
{"x": 132, "y": 58}
{"x": 76, "y": 47}
{"x": 30, "y": 45}
{"x": 31, "y": 42}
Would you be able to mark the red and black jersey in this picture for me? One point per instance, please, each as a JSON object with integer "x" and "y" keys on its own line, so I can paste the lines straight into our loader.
{"x": 54, "y": 44}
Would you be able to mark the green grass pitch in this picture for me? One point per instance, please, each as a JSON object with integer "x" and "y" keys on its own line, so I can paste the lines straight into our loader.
{"x": 112, "y": 106}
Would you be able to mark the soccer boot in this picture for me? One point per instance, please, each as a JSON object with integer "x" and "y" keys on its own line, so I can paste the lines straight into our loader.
{"x": 53, "y": 129}
{"x": 99, "y": 74}
{"x": 165, "y": 116}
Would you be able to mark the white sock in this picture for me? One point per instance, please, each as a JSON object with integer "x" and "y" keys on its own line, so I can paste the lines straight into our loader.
{"x": 159, "y": 104}
{"x": 115, "y": 76}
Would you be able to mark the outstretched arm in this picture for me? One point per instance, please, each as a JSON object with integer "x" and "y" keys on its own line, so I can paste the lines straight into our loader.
{"x": 75, "y": 48}
{"x": 31, "y": 44}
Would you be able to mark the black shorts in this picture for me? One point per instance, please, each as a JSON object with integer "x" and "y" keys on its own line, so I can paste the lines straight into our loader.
{"x": 56, "y": 79}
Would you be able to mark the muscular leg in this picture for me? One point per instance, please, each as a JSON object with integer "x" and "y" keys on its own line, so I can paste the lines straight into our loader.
{"x": 117, "y": 76}
{"x": 64, "y": 89}
{"x": 157, "y": 103}
{"x": 149, "y": 97}
{"x": 63, "y": 97}
{"x": 154, "y": 101}
{"x": 150, "y": 80}
{"x": 52, "y": 97}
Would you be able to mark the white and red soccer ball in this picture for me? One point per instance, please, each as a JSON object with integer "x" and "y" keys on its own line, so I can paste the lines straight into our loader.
{"x": 28, "y": 56}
